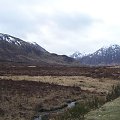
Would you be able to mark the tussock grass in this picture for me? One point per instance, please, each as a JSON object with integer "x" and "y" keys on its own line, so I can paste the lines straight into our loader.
{"x": 86, "y": 83}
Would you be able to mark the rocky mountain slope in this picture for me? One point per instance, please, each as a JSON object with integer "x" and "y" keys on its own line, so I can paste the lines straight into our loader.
{"x": 15, "y": 50}
{"x": 104, "y": 56}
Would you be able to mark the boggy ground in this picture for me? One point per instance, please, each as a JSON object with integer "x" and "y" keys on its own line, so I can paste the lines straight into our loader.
{"x": 85, "y": 83}
{"x": 20, "y": 100}
{"x": 26, "y": 90}
{"x": 95, "y": 72}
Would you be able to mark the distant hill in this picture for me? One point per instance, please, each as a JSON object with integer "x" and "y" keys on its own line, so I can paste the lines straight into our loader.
{"x": 104, "y": 56}
{"x": 15, "y": 50}
{"x": 76, "y": 55}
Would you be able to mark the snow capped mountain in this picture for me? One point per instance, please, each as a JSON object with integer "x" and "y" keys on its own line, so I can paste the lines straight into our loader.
{"x": 76, "y": 55}
{"x": 20, "y": 43}
{"x": 104, "y": 56}
{"x": 14, "y": 40}
{"x": 15, "y": 50}
{"x": 10, "y": 39}
{"x": 112, "y": 51}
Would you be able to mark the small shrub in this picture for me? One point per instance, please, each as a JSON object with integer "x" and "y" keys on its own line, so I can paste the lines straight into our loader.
{"x": 114, "y": 93}
{"x": 2, "y": 112}
{"x": 78, "y": 111}
{"x": 75, "y": 113}
{"x": 38, "y": 108}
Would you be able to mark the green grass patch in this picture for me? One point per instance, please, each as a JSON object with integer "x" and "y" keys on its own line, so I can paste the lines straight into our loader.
{"x": 109, "y": 111}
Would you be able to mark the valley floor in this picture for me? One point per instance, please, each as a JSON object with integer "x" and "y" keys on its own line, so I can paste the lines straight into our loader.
{"x": 26, "y": 91}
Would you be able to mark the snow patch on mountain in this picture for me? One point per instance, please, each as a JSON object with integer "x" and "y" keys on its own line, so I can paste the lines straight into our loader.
{"x": 104, "y": 56}
{"x": 14, "y": 40}
{"x": 76, "y": 55}
{"x": 10, "y": 39}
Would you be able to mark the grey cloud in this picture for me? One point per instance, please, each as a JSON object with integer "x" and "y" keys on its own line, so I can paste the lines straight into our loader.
{"x": 66, "y": 25}
{"x": 65, "y": 30}
{"x": 16, "y": 22}
{"x": 73, "y": 22}
{"x": 13, "y": 21}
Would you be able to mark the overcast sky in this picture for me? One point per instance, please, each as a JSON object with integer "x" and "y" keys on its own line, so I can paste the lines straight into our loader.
{"x": 63, "y": 26}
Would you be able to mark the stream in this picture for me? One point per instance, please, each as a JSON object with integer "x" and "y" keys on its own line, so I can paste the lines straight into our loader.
{"x": 44, "y": 115}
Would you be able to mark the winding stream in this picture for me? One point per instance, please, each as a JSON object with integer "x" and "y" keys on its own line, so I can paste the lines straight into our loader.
{"x": 46, "y": 113}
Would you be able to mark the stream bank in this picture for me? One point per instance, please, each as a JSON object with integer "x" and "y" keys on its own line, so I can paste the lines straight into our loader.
{"x": 43, "y": 114}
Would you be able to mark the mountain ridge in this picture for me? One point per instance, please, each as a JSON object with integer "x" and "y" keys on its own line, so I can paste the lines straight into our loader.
{"x": 15, "y": 50}
{"x": 103, "y": 56}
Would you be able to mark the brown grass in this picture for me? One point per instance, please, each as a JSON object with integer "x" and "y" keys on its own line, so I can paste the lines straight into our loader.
{"x": 25, "y": 90}
{"x": 85, "y": 83}
{"x": 21, "y": 100}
